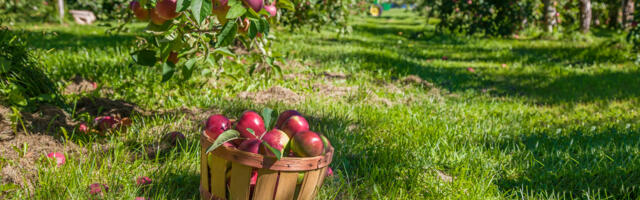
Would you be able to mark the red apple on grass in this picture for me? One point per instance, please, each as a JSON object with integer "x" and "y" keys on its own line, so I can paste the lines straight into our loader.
{"x": 143, "y": 180}
{"x": 140, "y": 13}
{"x": 105, "y": 122}
{"x": 59, "y": 158}
{"x": 294, "y": 125}
{"x": 155, "y": 19}
{"x": 276, "y": 139}
{"x": 166, "y": 9}
{"x": 216, "y": 125}
{"x": 253, "y": 121}
{"x": 284, "y": 116}
{"x": 173, "y": 57}
{"x": 98, "y": 188}
{"x": 307, "y": 144}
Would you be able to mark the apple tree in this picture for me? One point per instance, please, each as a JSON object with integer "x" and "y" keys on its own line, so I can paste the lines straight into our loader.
{"x": 182, "y": 35}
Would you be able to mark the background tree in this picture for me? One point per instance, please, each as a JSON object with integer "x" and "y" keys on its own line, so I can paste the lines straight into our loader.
{"x": 585, "y": 15}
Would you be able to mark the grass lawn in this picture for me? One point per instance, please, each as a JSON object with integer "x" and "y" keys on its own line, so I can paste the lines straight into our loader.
{"x": 497, "y": 119}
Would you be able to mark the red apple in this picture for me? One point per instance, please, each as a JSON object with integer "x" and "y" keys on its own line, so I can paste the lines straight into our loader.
{"x": 220, "y": 9}
{"x": 140, "y": 13}
{"x": 250, "y": 145}
{"x": 256, "y": 5}
{"x": 98, "y": 188}
{"x": 295, "y": 124}
{"x": 173, "y": 57}
{"x": 307, "y": 144}
{"x": 143, "y": 180}
{"x": 166, "y": 9}
{"x": 254, "y": 177}
{"x": 59, "y": 158}
{"x": 252, "y": 120}
{"x": 216, "y": 125}
{"x": 284, "y": 116}
{"x": 276, "y": 139}
{"x": 155, "y": 19}
{"x": 329, "y": 171}
{"x": 271, "y": 9}
{"x": 105, "y": 122}
{"x": 83, "y": 128}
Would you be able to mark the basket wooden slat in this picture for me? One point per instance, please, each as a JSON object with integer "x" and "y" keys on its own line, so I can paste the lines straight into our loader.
{"x": 218, "y": 171}
{"x": 240, "y": 181}
{"x": 309, "y": 184}
{"x": 266, "y": 184}
{"x": 204, "y": 170}
{"x": 286, "y": 185}
{"x": 323, "y": 174}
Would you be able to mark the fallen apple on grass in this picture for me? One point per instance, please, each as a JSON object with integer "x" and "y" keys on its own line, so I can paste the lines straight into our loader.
{"x": 143, "y": 181}
{"x": 59, "y": 158}
{"x": 98, "y": 189}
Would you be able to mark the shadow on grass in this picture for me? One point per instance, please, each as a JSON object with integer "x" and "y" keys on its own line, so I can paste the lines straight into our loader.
{"x": 67, "y": 40}
{"x": 579, "y": 163}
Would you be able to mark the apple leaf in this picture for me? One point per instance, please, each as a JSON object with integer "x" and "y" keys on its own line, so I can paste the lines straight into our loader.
{"x": 275, "y": 151}
{"x": 144, "y": 57}
{"x": 167, "y": 71}
{"x": 224, "y": 137}
{"x": 224, "y": 51}
{"x": 187, "y": 71}
{"x": 236, "y": 11}
{"x": 201, "y": 9}
{"x": 182, "y": 5}
{"x": 265, "y": 26}
{"x": 251, "y": 131}
{"x": 253, "y": 28}
{"x": 286, "y": 4}
{"x": 227, "y": 34}
{"x": 267, "y": 116}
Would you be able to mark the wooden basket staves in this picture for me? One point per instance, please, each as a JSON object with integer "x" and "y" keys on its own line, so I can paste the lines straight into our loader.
{"x": 276, "y": 178}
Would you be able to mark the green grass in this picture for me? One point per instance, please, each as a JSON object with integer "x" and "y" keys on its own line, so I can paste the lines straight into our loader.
{"x": 561, "y": 121}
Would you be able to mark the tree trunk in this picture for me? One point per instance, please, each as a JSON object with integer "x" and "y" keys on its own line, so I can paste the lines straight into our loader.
{"x": 585, "y": 15}
{"x": 61, "y": 10}
{"x": 627, "y": 13}
{"x": 549, "y": 15}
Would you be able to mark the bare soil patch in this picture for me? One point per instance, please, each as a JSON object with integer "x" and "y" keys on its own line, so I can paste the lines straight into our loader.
{"x": 104, "y": 106}
{"x": 19, "y": 168}
{"x": 329, "y": 90}
{"x": 79, "y": 85}
{"x": 276, "y": 93}
{"x": 415, "y": 80}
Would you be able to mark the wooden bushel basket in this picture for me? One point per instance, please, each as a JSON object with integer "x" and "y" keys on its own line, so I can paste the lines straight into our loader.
{"x": 276, "y": 178}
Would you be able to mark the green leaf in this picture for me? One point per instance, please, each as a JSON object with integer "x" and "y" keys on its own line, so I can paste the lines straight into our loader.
{"x": 224, "y": 51}
{"x": 276, "y": 152}
{"x": 227, "y": 34}
{"x": 251, "y": 131}
{"x": 265, "y": 26}
{"x": 224, "y": 137}
{"x": 236, "y": 11}
{"x": 144, "y": 57}
{"x": 267, "y": 115}
{"x": 286, "y": 4}
{"x": 253, "y": 29}
{"x": 232, "y": 3}
{"x": 201, "y": 9}
{"x": 182, "y": 5}
{"x": 188, "y": 68}
{"x": 167, "y": 71}
{"x": 159, "y": 28}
